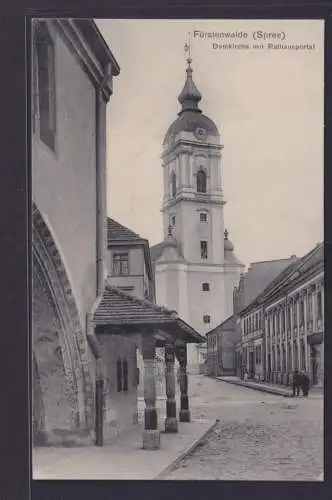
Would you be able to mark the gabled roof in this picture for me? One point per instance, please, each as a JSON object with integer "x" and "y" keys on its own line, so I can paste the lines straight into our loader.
{"x": 228, "y": 323}
{"x": 118, "y": 232}
{"x": 119, "y": 309}
{"x": 259, "y": 275}
{"x": 293, "y": 272}
{"x": 299, "y": 268}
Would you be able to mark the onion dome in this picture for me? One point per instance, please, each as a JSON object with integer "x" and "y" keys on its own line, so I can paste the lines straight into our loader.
{"x": 190, "y": 118}
{"x": 228, "y": 245}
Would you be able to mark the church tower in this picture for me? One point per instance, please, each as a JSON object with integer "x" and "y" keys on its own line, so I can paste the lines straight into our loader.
{"x": 196, "y": 269}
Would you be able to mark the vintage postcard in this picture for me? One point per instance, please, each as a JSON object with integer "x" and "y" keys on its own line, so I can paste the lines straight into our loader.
{"x": 178, "y": 261}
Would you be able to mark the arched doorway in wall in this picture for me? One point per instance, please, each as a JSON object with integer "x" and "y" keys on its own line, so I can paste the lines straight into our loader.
{"x": 62, "y": 400}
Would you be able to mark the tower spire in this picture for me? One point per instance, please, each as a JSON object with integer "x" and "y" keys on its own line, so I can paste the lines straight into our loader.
{"x": 190, "y": 95}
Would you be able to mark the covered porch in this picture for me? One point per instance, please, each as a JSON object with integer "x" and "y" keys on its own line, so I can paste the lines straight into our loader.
{"x": 120, "y": 314}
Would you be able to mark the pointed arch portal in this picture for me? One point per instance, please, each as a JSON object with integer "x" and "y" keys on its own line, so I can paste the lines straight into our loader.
{"x": 62, "y": 399}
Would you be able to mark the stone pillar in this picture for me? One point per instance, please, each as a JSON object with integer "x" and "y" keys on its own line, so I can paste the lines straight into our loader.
{"x": 181, "y": 354}
{"x": 171, "y": 424}
{"x": 151, "y": 434}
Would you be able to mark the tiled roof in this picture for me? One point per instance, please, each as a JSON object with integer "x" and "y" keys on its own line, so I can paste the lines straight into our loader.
{"x": 118, "y": 232}
{"x": 228, "y": 324}
{"x": 260, "y": 274}
{"x": 157, "y": 250}
{"x": 120, "y": 309}
{"x": 297, "y": 268}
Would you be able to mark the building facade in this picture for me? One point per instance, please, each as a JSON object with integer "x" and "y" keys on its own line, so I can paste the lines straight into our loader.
{"x": 225, "y": 355}
{"x": 221, "y": 343}
{"x": 72, "y": 74}
{"x": 85, "y": 330}
{"x": 129, "y": 269}
{"x": 294, "y": 322}
{"x": 195, "y": 266}
{"x": 283, "y": 328}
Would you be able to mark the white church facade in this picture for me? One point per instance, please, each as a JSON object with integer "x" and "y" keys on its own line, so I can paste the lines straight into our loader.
{"x": 195, "y": 266}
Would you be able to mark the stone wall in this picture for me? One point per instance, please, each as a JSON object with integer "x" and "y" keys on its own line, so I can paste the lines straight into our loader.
{"x": 120, "y": 412}
{"x": 55, "y": 398}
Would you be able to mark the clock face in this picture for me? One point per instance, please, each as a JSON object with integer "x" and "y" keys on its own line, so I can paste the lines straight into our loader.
{"x": 200, "y": 133}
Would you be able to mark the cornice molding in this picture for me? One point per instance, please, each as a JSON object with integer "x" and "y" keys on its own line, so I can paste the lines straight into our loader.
{"x": 102, "y": 78}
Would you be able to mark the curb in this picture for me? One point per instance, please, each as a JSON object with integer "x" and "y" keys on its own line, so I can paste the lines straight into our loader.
{"x": 191, "y": 448}
{"x": 261, "y": 389}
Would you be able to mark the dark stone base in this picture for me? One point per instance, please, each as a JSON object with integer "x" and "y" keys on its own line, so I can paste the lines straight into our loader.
{"x": 171, "y": 424}
{"x": 184, "y": 415}
{"x": 64, "y": 438}
{"x": 151, "y": 440}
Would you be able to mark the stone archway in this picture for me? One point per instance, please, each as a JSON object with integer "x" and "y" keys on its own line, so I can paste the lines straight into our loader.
{"x": 62, "y": 380}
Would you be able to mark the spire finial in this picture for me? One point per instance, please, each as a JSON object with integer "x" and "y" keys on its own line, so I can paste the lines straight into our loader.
{"x": 190, "y": 95}
{"x": 226, "y": 234}
{"x": 187, "y": 50}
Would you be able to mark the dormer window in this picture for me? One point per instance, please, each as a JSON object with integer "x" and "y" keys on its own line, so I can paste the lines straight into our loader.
{"x": 201, "y": 181}
{"x": 120, "y": 264}
{"x": 173, "y": 182}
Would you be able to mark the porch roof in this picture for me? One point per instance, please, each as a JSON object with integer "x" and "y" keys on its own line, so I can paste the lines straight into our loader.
{"x": 120, "y": 311}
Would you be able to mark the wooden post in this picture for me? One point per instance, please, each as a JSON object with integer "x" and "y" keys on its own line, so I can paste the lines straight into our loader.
{"x": 99, "y": 412}
{"x": 171, "y": 424}
{"x": 181, "y": 354}
{"x": 151, "y": 434}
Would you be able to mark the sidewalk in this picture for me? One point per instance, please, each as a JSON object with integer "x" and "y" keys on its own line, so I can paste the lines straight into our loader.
{"x": 280, "y": 390}
{"x": 125, "y": 458}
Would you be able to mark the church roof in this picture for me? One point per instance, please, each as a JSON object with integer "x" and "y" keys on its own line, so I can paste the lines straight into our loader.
{"x": 156, "y": 251}
{"x": 120, "y": 309}
{"x": 190, "y": 117}
{"x": 118, "y": 232}
{"x": 230, "y": 257}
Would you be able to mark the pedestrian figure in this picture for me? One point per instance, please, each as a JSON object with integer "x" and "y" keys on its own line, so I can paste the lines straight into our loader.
{"x": 305, "y": 383}
{"x": 245, "y": 375}
{"x": 296, "y": 383}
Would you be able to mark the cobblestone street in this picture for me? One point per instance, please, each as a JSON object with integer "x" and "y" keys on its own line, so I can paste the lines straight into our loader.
{"x": 259, "y": 437}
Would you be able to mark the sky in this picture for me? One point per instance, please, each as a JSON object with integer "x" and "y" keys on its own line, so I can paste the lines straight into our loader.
{"x": 268, "y": 105}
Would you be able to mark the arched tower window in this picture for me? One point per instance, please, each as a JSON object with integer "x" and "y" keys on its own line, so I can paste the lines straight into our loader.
{"x": 173, "y": 180}
{"x": 201, "y": 181}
